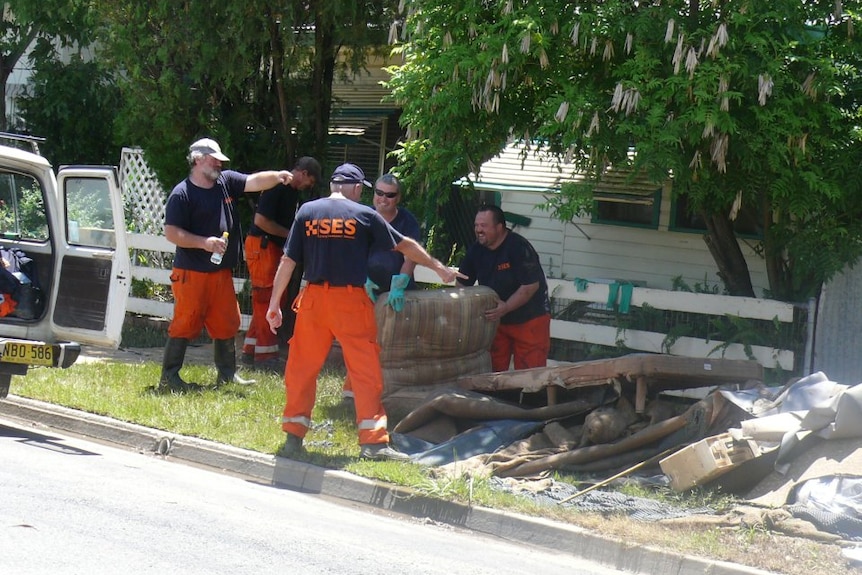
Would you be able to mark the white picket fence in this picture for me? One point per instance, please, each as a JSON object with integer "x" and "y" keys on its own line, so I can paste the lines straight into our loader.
{"x": 596, "y": 293}
{"x": 145, "y": 199}
{"x": 161, "y": 276}
{"x": 704, "y": 304}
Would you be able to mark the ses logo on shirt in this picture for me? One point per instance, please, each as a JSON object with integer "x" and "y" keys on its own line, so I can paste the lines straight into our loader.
{"x": 331, "y": 228}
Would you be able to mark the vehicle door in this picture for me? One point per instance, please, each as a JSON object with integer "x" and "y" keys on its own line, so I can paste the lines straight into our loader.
{"x": 95, "y": 270}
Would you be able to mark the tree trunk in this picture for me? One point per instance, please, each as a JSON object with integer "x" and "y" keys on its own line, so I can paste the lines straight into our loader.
{"x": 321, "y": 85}
{"x": 725, "y": 250}
{"x": 15, "y": 50}
{"x": 285, "y": 120}
{"x": 7, "y": 64}
{"x": 778, "y": 268}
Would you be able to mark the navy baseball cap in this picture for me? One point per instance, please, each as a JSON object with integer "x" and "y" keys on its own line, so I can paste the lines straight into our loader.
{"x": 349, "y": 174}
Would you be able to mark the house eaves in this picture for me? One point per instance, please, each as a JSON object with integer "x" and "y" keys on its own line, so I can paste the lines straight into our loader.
{"x": 537, "y": 171}
{"x": 540, "y": 171}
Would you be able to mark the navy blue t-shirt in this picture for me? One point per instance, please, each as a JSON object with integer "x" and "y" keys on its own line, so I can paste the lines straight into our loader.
{"x": 332, "y": 238}
{"x": 383, "y": 264}
{"x": 279, "y": 205}
{"x": 514, "y": 263}
{"x": 207, "y": 212}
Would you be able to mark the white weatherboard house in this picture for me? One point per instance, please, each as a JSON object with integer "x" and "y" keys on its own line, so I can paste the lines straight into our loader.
{"x": 638, "y": 232}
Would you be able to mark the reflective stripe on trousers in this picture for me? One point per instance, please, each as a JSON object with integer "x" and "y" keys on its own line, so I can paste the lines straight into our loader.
{"x": 325, "y": 313}
{"x": 303, "y": 421}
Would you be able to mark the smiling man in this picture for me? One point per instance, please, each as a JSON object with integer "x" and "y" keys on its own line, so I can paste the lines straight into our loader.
{"x": 508, "y": 264}
{"x": 384, "y": 266}
{"x": 200, "y": 209}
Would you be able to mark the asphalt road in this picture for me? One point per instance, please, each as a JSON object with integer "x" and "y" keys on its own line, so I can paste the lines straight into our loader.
{"x": 73, "y": 506}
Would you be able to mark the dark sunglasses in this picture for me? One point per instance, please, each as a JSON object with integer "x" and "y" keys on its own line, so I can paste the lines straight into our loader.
{"x": 390, "y": 195}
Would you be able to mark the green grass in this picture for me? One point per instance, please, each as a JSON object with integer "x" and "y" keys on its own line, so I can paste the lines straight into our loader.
{"x": 246, "y": 417}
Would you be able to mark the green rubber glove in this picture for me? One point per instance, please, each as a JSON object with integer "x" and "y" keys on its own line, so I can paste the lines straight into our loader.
{"x": 396, "y": 291}
{"x": 370, "y": 286}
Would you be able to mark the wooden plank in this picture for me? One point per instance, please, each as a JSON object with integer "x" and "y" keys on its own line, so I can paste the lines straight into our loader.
{"x": 156, "y": 275}
{"x": 752, "y": 308}
{"x": 150, "y": 307}
{"x": 661, "y": 371}
{"x": 163, "y": 277}
{"x": 654, "y": 343}
{"x": 150, "y": 242}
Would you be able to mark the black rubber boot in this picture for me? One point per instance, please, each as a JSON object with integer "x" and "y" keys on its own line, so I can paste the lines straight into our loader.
{"x": 224, "y": 355}
{"x": 172, "y": 362}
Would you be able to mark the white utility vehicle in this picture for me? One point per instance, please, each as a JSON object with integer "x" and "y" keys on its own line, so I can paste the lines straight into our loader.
{"x": 71, "y": 224}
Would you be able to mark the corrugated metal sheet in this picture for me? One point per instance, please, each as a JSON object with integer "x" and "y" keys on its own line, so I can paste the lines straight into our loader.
{"x": 839, "y": 323}
{"x": 363, "y": 127}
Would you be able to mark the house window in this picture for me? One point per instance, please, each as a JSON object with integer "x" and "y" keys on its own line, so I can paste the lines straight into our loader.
{"x": 640, "y": 211}
{"x": 623, "y": 199}
{"x": 684, "y": 219}
{"x": 22, "y": 208}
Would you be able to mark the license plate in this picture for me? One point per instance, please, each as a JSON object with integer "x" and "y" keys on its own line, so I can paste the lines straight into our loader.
{"x": 28, "y": 353}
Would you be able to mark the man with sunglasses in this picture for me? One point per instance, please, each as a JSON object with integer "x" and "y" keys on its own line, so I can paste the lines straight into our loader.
{"x": 388, "y": 269}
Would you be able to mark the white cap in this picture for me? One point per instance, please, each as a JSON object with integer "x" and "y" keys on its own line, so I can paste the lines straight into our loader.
{"x": 209, "y": 147}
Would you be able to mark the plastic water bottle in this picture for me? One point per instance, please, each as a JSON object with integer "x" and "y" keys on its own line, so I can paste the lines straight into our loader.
{"x": 217, "y": 257}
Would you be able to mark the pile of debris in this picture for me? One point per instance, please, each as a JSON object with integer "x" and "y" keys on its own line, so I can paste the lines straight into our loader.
{"x": 692, "y": 421}
{"x": 634, "y": 416}
{"x": 594, "y": 416}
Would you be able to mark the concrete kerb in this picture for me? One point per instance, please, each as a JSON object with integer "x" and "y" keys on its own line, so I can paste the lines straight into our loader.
{"x": 300, "y": 476}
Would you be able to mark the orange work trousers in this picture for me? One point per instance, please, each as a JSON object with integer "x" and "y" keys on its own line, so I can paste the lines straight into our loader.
{"x": 262, "y": 263}
{"x": 204, "y": 300}
{"x": 529, "y": 343}
{"x": 324, "y": 313}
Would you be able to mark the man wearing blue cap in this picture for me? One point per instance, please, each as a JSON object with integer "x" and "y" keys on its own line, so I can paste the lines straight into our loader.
{"x": 332, "y": 238}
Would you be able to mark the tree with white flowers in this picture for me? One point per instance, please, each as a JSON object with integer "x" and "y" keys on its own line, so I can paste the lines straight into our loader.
{"x": 748, "y": 105}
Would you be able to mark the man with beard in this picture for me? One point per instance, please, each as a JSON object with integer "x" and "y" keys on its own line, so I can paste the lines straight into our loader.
{"x": 508, "y": 264}
{"x": 199, "y": 211}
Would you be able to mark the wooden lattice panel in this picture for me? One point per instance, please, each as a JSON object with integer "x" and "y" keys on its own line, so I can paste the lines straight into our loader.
{"x": 142, "y": 192}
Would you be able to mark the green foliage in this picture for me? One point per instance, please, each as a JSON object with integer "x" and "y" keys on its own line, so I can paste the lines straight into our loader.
{"x": 737, "y": 100}
{"x": 256, "y": 75}
{"x": 31, "y": 212}
{"x": 734, "y": 329}
{"x": 22, "y": 208}
{"x": 90, "y": 208}
{"x": 149, "y": 289}
{"x": 575, "y": 200}
{"x": 679, "y": 284}
{"x": 74, "y": 107}
{"x": 38, "y": 27}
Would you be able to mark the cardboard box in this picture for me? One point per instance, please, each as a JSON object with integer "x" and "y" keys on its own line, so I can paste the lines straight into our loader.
{"x": 701, "y": 462}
